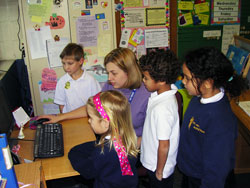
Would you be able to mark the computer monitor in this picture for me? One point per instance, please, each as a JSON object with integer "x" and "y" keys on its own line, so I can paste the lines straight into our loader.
{"x": 7, "y": 121}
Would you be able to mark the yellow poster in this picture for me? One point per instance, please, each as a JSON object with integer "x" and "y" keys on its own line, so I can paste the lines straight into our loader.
{"x": 204, "y": 18}
{"x": 155, "y": 16}
{"x": 132, "y": 3}
{"x": 201, "y": 7}
{"x": 185, "y": 5}
{"x": 188, "y": 18}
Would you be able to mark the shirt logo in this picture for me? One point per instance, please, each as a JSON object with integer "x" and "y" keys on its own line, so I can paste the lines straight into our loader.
{"x": 195, "y": 126}
{"x": 67, "y": 85}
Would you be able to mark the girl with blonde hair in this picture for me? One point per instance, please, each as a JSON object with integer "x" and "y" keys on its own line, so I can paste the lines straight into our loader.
{"x": 111, "y": 159}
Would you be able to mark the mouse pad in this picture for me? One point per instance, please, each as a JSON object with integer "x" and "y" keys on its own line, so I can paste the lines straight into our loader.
{"x": 32, "y": 122}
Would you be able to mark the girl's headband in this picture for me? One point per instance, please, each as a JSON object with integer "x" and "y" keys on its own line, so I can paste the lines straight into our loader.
{"x": 98, "y": 106}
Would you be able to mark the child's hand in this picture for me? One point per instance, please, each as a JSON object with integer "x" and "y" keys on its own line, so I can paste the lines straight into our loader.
{"x": 52, "y": 118}
{"x": 158, "y": 175}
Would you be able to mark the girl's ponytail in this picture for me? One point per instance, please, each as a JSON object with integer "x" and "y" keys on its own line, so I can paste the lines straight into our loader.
{"x": 235, "y": 85}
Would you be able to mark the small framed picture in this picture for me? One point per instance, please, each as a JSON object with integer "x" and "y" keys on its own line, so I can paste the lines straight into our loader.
{"x": 95, "y": 2}
{"x": 89, "y": 4}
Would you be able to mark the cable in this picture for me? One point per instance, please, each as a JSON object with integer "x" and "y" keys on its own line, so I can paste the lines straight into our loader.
{"x": 21, "y": 49}
{"x": 18, "y": 17}
{"x": 22, "y": 139}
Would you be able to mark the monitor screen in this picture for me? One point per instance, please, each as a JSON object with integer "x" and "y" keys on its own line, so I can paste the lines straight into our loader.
{"x": 7, "y": 121}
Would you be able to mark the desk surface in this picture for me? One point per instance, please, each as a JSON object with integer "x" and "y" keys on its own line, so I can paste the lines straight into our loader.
{"x": 239, "y": 112}
{"x": 75, "y": 132}
{"x": 24, "y": 175}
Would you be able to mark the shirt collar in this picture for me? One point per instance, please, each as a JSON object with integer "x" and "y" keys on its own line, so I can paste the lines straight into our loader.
{"x": 155, "y": 96}
{"x": 214, "y": 98}
{"x": 69, "y": 78}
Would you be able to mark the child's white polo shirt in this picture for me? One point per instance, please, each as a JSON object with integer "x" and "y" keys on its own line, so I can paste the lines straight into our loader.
{"x": 75, "y": 93}
{"x": 161, "y": 123}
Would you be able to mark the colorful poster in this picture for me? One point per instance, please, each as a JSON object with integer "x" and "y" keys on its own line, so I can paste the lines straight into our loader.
{"x": 193, "y": 13}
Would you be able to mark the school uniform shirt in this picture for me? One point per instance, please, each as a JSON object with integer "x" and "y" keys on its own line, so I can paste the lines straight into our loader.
{"x": 88, "y": 160}
{"x": 138, "y": 105}
{"x": 161, "y": 123}
{"x": 75, "y": 93}
{"x": 208, "y": 133}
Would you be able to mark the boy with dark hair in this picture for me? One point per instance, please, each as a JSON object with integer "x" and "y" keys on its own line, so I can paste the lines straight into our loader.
{"x": 76, "y": 86}
{"x": 160, "y": 135}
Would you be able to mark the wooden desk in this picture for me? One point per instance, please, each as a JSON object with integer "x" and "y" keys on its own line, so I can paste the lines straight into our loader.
{"x": 239, "y": 112}
{"x": 75, "y": 132}
{"x": 242, "y": 164}
{"x": 30, "y": 173}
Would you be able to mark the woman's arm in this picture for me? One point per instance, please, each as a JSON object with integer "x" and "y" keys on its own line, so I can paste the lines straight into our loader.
{"x": 77, "y": 113}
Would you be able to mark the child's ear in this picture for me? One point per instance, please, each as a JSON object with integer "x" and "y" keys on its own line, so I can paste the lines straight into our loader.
{"x": 105, "y": 124}
{"x": 81, "y": 61}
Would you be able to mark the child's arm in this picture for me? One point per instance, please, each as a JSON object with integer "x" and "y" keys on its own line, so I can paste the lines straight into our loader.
{"x": 77, "y": 113}
{"x": 61, "y": 108}
{"x": 81, "y": 158}
{"x": 161, "y": 158}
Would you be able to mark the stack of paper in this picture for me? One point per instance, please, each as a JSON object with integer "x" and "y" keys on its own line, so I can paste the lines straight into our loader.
{"x": 245, "y": 105}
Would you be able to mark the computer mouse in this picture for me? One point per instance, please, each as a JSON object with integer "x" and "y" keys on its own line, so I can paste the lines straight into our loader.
{"x": 40, "y": 121}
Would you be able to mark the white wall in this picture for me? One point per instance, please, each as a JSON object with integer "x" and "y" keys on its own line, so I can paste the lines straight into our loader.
{"x": 9, "y": 43}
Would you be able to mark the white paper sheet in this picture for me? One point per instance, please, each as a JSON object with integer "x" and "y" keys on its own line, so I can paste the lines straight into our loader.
{"x": 156, "y": 38}
{"x": 37, "y": 41}
{"x": 20, "y": 116}
{"x": 54, "y": 49}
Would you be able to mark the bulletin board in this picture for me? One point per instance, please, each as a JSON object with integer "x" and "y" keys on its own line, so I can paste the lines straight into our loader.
{"x": 144, "y": 25}
{"x": 207, "y": 23}
{"x": 193, "y": 37}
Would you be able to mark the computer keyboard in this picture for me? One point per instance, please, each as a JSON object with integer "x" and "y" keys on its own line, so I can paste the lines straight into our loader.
{"x": 48, "y": 141}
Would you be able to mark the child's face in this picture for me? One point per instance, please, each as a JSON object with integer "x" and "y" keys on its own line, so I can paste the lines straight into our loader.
{"x": 99, "y": 126}
{"x": 71, "y": 66}
{"x": 150, "y": 84}
{"x": 189, "y": 82}
{"x": 116, "y": 76}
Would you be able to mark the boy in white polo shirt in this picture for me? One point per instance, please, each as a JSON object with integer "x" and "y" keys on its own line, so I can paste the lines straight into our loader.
{"x": 160, "y": 136}
{"x": 76, "y": 86}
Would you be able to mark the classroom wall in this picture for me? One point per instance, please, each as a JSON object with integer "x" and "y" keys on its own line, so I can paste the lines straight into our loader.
{"x": 192, "y": 36}
{"x": 9, "y": 29}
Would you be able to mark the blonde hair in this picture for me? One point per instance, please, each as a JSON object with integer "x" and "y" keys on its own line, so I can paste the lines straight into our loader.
{"x": 126, "y": 60}
{"x": 117, "y": 108}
